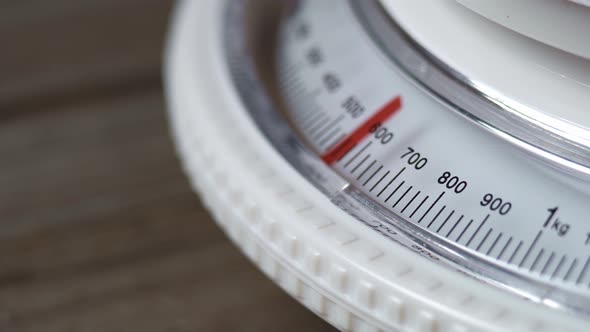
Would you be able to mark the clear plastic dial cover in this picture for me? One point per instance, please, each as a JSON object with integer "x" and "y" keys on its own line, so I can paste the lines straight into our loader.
{"x": 410, "y": 154}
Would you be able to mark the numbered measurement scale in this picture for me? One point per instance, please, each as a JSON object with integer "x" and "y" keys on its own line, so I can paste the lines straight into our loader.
{"x": 396, "y": 165}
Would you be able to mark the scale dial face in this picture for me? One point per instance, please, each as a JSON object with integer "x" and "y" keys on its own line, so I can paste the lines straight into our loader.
{"x": 410, "y": 153}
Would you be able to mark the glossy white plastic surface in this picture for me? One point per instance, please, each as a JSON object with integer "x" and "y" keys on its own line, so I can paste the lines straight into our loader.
{"x": 556, "y": 23}
{"x": 544, "y": 83}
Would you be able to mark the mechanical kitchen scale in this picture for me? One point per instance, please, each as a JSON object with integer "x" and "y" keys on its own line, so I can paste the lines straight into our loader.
{"x": 396, "y": 165}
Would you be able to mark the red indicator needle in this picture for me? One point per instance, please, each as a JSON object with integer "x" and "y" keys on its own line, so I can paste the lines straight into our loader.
{"x": 362, "y": 131}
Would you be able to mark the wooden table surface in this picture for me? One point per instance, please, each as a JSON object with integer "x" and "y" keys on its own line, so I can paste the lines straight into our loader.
{"x": 99, "y": 230}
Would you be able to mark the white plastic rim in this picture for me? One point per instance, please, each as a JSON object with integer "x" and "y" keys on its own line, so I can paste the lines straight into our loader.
{"x": 339, "y": 268}
{"x": 582, "y": 2}
{"x": 530, "y": 18}
{"x": 543, "y": 83}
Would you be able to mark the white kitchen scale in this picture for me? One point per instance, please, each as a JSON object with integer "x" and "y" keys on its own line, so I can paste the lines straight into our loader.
{"x": 393, "y": 164}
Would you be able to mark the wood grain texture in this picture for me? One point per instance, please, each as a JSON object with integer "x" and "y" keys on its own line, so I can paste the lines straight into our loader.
{"x": 66, "y": 51}
{"x": 99, "y": 230}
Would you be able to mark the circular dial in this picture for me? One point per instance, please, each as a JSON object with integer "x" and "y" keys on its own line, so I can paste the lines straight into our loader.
{"x": 411, "y": 154}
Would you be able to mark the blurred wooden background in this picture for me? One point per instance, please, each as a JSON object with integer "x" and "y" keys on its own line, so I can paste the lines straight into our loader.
{"x": 99, "y": 230}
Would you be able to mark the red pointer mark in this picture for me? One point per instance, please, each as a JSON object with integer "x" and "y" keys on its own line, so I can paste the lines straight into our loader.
{"x": 361, "y": 132}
